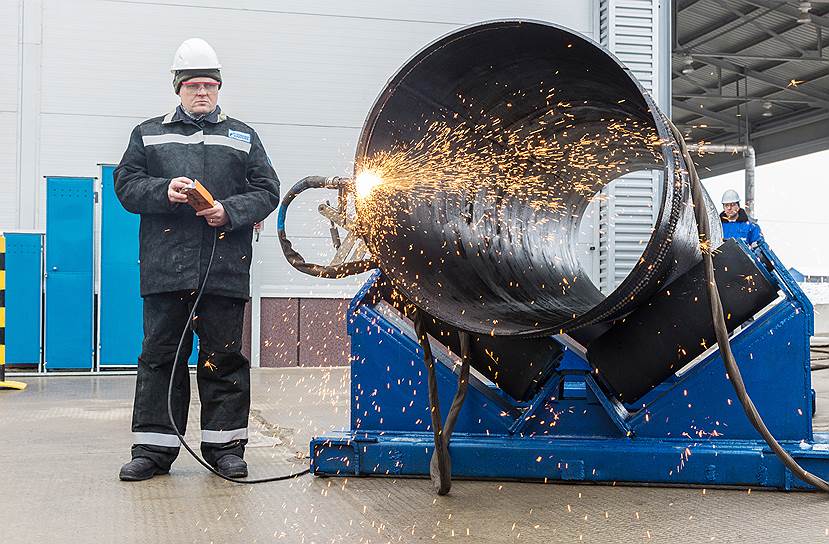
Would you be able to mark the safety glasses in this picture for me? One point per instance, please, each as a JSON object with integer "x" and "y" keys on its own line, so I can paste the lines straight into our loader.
{"x": 194, "y": 87}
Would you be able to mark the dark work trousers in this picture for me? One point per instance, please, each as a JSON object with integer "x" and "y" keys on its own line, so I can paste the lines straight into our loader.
{"x": 223, "y": 377}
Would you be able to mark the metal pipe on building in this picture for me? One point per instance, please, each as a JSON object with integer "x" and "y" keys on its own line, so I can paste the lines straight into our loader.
{"x": 750, "y": 163}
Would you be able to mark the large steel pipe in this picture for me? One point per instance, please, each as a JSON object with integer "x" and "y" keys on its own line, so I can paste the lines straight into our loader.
{"x": 544, "y": 105}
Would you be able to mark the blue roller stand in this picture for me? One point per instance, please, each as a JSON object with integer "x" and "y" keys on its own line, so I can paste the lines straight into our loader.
{"x": 69, "y": 263}
{"x": 24, "y": 290}
{"x": 690, "y": 430}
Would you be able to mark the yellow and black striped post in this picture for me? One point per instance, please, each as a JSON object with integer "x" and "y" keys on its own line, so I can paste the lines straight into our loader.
{"x": 3, "y": 383}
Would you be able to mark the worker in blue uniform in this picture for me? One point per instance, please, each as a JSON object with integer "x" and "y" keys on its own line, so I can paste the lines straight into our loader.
{"x": 736, "y": 222}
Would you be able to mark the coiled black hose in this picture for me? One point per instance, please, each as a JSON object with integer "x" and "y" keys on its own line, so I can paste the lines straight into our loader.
{"x": 294, "y": 258}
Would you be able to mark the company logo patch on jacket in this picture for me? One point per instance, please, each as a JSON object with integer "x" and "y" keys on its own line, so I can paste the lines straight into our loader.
{"x": 241, "y": 136}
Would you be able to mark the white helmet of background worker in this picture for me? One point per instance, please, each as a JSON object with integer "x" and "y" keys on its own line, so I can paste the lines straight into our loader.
{"x": 730, "y": 196}
{"x": 195, "y": 58}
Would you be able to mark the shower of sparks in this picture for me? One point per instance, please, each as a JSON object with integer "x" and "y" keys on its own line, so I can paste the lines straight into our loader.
{"x": 495, "y": 180}
{"x": 365, "y": 183}
{"x": 537, "y": 164}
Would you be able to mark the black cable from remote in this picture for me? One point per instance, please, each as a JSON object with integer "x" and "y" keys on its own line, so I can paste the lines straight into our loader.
{"x": 184, "y": 443}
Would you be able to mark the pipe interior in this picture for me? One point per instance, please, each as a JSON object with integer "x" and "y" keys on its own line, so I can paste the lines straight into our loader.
{"x": 555, "y": 116}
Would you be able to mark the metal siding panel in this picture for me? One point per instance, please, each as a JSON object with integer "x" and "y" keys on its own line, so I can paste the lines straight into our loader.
{"x": 30, "y": 190}
{"x": 24, "y": 276}
{"x": 69, "y": 273}
{"x": 9, "y": 54}
{"x": 587, "y": 241}
{"x": 279, "y": 279}
{"x": 74, "y": 145}
{"x": 8, "y": 170}
{"x": 327, "y": 77}
{"x": 607, "y": 241}
{"x": 458, "y": 12}
{"x": 297, "y": 152}
{"x": 632, "y": 29}
{"x": 628, "y": 212}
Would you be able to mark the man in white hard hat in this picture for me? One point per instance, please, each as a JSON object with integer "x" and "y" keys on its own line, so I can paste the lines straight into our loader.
{"x": 736, "y": 222}
{"x": 166, "y": 154}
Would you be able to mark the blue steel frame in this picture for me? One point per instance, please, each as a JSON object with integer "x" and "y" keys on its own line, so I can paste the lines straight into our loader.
{"x": 689, "y": 430}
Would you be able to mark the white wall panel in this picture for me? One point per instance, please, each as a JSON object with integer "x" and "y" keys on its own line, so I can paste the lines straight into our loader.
{"x": 8, "y": 170}
{"x": 74, "y": 145}
{"x": 279, "y": 66}
{"x": 9, "y": 53}
{"x": 576, "y": 14}
{"x": 276, "y": 278}
{"x": 296, "y": 152}
{"x": 9, "y": 22}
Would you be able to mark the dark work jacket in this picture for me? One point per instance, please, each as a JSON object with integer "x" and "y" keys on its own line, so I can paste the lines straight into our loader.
{"x": 228, "y": 158}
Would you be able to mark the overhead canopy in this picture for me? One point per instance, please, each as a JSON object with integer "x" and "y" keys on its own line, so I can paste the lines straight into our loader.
{"x": 751, "y": 71}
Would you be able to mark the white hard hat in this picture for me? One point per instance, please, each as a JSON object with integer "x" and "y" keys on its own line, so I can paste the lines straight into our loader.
{"x": 195, "y": 54}
{"x": 730, "y": 196}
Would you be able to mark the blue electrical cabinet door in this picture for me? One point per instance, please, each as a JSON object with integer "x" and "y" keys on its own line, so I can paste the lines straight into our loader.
{"x": 24, "y": 289}
{"x": 121, "y": 324}
{"x": 120, "y": 305}
{"x": 69, "y": 263}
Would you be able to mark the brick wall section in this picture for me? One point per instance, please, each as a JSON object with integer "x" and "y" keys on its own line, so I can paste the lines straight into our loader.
{"x": 279, "y": 330}
{"x": 303, "y": 332}
{"x": 323, "y": 340}
{"x": 246, "y": 332}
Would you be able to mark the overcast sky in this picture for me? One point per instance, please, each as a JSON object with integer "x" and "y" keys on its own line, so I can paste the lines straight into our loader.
{"x": 792, "y": 208}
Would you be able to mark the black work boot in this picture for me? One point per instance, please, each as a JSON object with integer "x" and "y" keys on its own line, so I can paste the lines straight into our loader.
{"x": 140, "y": 468}
{"x": 232, "y": 466}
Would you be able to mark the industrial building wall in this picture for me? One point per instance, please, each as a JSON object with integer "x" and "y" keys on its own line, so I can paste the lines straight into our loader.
{"x": 303, "y": 74}
{"x": 9, "y": 67}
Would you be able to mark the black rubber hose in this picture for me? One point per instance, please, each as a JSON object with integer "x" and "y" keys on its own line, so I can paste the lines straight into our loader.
{"x": 440, "y": 465}
{"x": 181, "y": 439}
{"x": 734, "y": 375}
{"x": 463, "y": 382}
{"x": 440, "y": 469}
{"x": 294, "y": 258}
